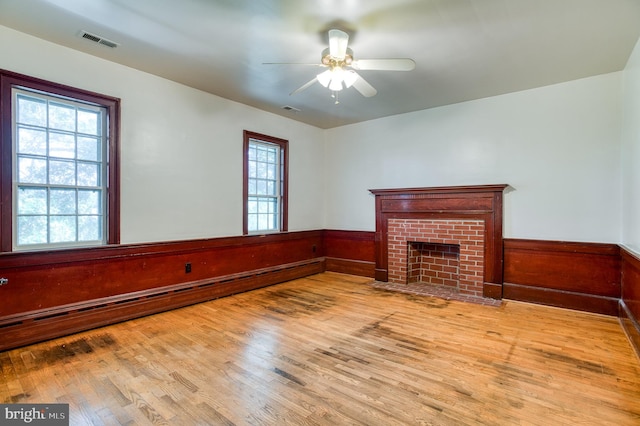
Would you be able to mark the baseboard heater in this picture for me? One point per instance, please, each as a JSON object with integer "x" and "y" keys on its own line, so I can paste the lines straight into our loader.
{"x": 35, "y": 326}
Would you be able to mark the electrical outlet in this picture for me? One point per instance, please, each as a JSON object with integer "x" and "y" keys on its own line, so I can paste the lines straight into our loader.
{"x": 187, "y": 267}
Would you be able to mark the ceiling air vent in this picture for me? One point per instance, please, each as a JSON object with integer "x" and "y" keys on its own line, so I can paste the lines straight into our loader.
{"x": 290, "y": 108}
{"x": 97, "y": 39}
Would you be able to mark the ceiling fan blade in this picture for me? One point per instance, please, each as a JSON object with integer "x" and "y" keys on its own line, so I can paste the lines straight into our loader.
{"x": 303, "y": 87}
{"x": 404, "y": 64}
{"x": 338, "y": 41}
{"x": 364, "y": 87}
{"x": 293, "y": 63}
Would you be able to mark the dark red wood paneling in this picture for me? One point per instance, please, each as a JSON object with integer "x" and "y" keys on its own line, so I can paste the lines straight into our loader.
{"x": 78, "y": 286}
{"x": 351, "y": 267}
{"x": 588, "y": 268}
{"x": 561, "y": 299}
{"x": 41, "y": 280}
{"x": 350, "y": 252}
{"x": 630, "y": 303}
{"x": 631, "y": 282}
{"x": 34, "y": 326}
{"x": 355, "y": 245}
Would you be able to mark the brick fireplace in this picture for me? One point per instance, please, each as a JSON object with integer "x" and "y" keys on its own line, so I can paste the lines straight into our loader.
{"x": 461, "y": 220}
{"x": 437, "y": 252}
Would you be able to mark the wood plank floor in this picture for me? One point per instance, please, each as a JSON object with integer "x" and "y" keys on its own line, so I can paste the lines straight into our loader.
{"x": 331, "y": 350}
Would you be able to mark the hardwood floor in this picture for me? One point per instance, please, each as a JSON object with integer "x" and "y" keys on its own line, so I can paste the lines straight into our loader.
{"x": 331, "y": 349}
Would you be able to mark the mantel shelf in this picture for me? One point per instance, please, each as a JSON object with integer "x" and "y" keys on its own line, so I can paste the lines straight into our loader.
{"x": 468, "y": 189}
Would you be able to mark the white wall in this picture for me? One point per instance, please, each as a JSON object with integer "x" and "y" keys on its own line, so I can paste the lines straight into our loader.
{"x": 181, "y": 149}
{"x": 631, "y": 153}
{"x": 557, "y": 146}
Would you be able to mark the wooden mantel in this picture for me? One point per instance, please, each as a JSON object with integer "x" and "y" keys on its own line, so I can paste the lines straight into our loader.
{"x": 480, "y": 202}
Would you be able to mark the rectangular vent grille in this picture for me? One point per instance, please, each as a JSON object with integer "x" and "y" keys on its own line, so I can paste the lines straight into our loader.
{"x": 290, "y": 108}
{"x": 97, "y": 39}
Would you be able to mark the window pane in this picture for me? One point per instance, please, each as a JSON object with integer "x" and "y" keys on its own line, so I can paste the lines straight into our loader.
{"x": 261, "y": 154}
{"x": 32, "y": 111}
{"x": 89, "y": 228}
{"x": 32, "y": 170}
{"x": 62, "y": 229}
{"x": 252, "y": 205}
{"x": 88, "y": 122}
{"x": 262, "y": 222}
{"x": 253, "y": 186}
{"x": 262, "y": 170}
{"x": 89, "y": 202}
{"x": 88, "y": 174}
{"x": 32, "y": 141}
{"x": 32, "y": 229}
{"x": 62, "y": 117}
{"x": 62, "y": 145}
{"x": 89, "y": 148}
{"x": 263, "y": 206}
{"x": 32, "y": 201}
{"x": 62, "y": 172}
{"x": 252, "y": 222}
{"x": 62, "y": 201}
{"x": 261, "y": 188}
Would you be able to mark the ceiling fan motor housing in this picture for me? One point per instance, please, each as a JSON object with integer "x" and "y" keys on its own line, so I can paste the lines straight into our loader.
{"x": 332, "y": 62}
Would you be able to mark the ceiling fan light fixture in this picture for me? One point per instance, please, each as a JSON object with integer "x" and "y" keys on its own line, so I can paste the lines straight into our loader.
{"x": 337, "y": 77}
{"x": 336, "y": 84}
{"x": 349, "y": 78}
{"x": 324, "y": 78}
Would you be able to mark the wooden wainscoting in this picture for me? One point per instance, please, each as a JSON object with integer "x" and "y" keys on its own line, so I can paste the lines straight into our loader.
{"x": 582, "y": 276}
{"x": 350, "y": 252}
{"x": 630, "y": 300}
{"x": 54, "y": 293}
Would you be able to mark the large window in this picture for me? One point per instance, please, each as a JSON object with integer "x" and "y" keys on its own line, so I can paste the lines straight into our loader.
{"x": 59, "y": 169}
{"x": 265, "y": 183}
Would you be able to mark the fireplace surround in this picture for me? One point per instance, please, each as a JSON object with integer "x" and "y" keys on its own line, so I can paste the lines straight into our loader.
{"x": 468, "y": 216}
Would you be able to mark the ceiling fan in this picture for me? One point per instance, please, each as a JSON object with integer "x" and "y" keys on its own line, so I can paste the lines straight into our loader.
{"x": 341, "y": 67}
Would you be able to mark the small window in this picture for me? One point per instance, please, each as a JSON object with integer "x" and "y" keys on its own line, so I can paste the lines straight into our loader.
{"x": 265, "y": 184}
{"x": 62, "y": 178}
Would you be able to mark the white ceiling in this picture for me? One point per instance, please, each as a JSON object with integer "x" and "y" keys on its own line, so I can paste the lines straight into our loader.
{"x": 463, "y": 49}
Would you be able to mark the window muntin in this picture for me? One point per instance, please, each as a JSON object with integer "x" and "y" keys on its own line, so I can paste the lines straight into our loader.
{"x": 265, "y": 184}
{"x": 59, "y": 173}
